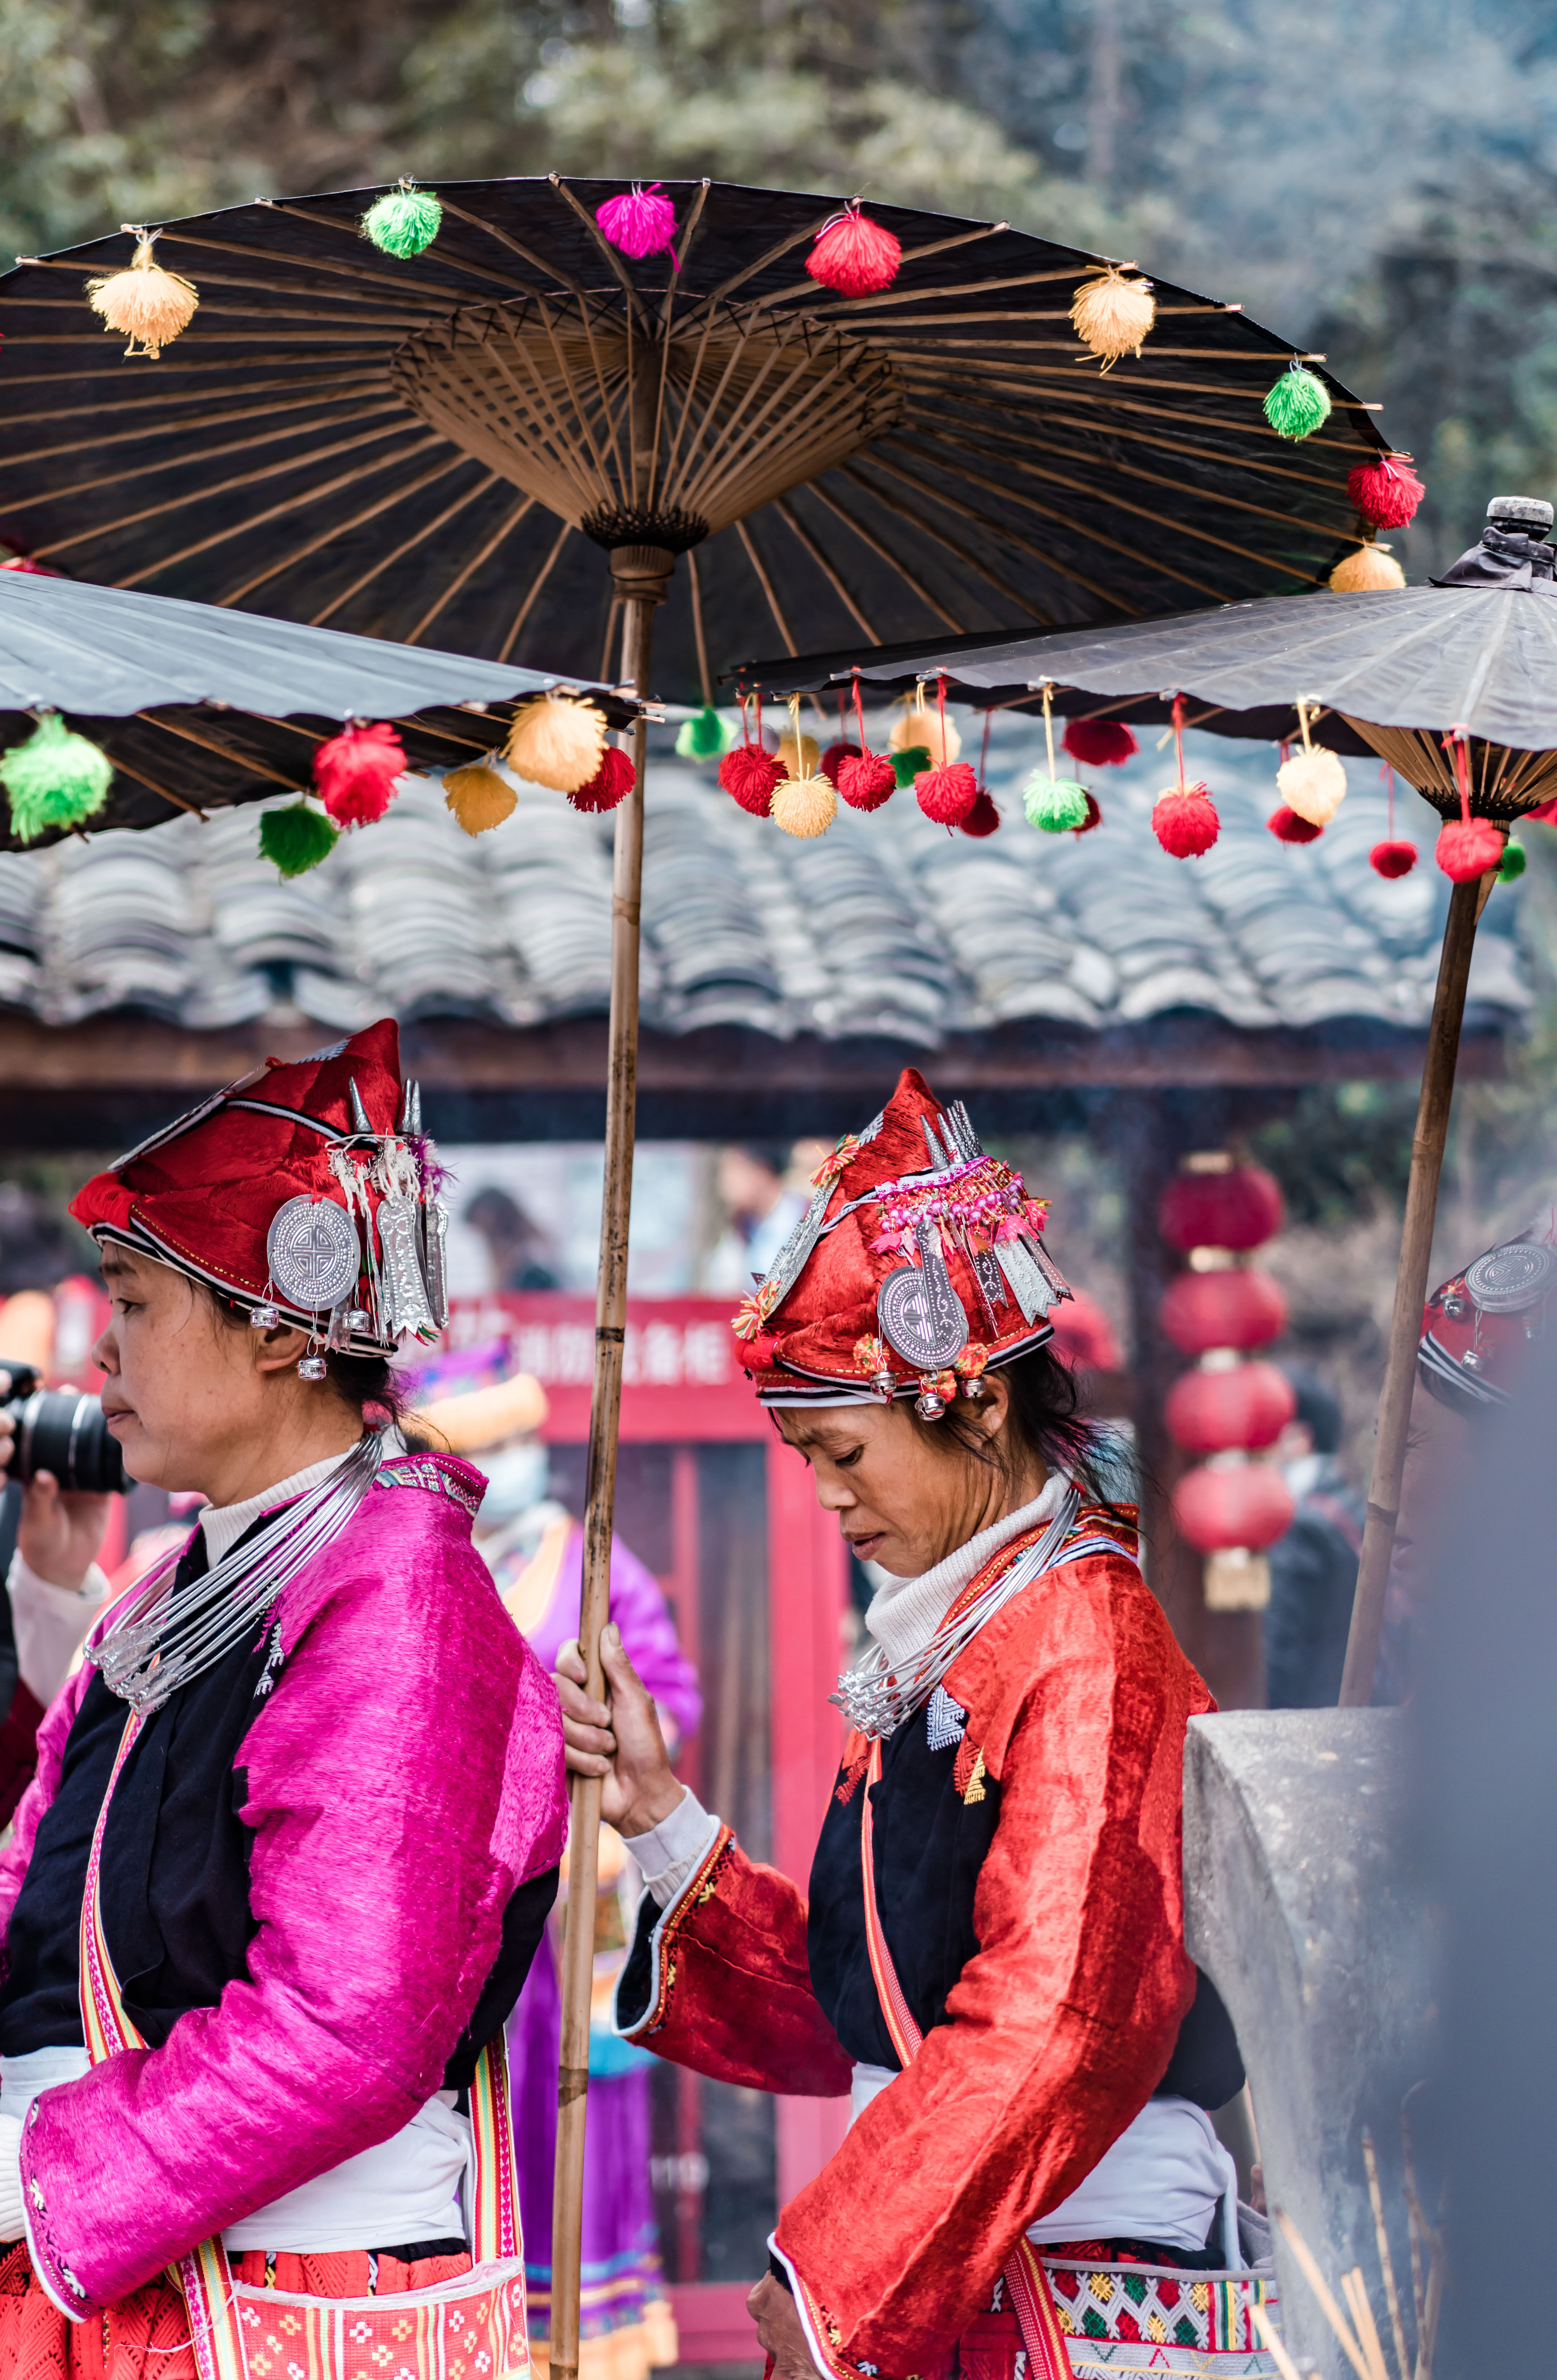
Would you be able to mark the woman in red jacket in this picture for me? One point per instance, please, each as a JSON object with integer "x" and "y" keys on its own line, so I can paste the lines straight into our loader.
{"x": 990, "y": 1961}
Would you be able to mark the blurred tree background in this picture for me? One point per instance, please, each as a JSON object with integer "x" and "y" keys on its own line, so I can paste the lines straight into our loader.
{"x": 1374, "y": 178}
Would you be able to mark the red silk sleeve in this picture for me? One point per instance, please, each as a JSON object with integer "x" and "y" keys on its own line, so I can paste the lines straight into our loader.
{"x": 730, "y": 1987}
{"x": 1064, "y": 2019}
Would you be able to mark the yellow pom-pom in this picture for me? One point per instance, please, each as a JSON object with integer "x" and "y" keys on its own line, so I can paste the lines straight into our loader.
{"x": 557, "y": 740}
{"x": 803, "y": 806}
{"x": 1111, "y": 315}
{"x": 144, "y": 303}
{"x": 798, "y": 760}
{"x": 1371, "y": 567}
{"x": 478, "y": 797}
{"x": 920, "y": 726}
{"x": 1312, "y": 784}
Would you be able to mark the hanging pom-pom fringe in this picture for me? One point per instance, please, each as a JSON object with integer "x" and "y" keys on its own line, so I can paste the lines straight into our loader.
{"x": 1467, "y": 848}
{"x": 799, "y": 756}
{"x": 55, "y": 778}
{"x": 640, "y": 223}
{"x": 1111, "y": 315}
{"x": 556, "y": 740}
{"x": 920, "y": 729}
{"x": 705, "y": 736}
{"x": 143, "y": 303}
{"x": 1298, "y": 403}
{"x": 1313, "y": 783}
{"x": 803, "y": 807}
{"x": 834, "y": 757}
{"x": 355, "y": 772}
{"x": 611, "y": 785}
{"x": 1058, "y": 805}
{"x": 907, "y": 764}
{"x": 870, "y": 780}
{"x": 982, "y": 818}
{"x": 1184, "y": 820}
{"x": 854, "y": 256}
{"x": 1093, "y": 817}
{"x": 405, "y": 221}
{"x": 750, "y": 776}
{"x": 1392, "y": 858}
{"x": 478, "y": 797}
{"x": 1385, "y": 491}
{"x": 1371, "y": 570}
{"x": 946, "y": 794}
{"x": 1290, "y": 826}
{"x": 1512, "y": 864}
{"x": 1099, "y": 743}
{"x": 297, "y": 838}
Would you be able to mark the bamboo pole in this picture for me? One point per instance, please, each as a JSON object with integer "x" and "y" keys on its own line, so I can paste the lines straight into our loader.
{"x": 642, "y": 573}
{"x": 1410, "y": 1287}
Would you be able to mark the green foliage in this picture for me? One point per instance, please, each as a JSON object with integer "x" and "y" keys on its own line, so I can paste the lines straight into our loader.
{"x": 1056, "y": 804}
{"x": 403, "y": 222}
{"x": 297, "y": 838}
{"x": 1298, "y": 404}
{"x": 55, "y": 778}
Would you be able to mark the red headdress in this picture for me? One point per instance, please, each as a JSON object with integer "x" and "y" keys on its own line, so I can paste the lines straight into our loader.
{"x": 1476, "y": 1326}
{"x": 918, "y": 1265}
{"x": 302, "y": 1192}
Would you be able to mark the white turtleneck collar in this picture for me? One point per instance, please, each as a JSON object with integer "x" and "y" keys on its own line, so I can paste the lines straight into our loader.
{"x": 225, "y": 1525}
{"x": 904, "y": 1613}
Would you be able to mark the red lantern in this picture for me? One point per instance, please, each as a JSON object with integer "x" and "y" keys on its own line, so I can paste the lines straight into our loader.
{"x": 1201, "y": 1310}
{"x": 1248, "y": 1405}
{"x": 1235, "y": 1209}
{"x": 1246, "y": 1504}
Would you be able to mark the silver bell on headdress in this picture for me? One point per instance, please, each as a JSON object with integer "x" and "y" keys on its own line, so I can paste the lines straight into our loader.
{"x": 312, "y": 1367}
{"x": 929, "y": 1405}
{"x": 264, "y": 1316}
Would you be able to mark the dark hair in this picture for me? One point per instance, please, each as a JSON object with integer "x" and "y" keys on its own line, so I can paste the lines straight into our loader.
{"x": 1317, "y": 1405}
{"x": 1046, "y": 1419}
{"x": 360, "y": 1382}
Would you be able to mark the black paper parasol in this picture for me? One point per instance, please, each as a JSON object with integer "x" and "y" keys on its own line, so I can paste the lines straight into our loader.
{"x": 199, "y": 708}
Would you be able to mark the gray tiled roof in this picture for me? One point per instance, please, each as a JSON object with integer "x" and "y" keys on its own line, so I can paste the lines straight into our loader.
{"x": 883, "y": 926}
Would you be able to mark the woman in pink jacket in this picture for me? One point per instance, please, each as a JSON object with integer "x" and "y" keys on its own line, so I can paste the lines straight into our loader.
{"x": 296, "y": 1822}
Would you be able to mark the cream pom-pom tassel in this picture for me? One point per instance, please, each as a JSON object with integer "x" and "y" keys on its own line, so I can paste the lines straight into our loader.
{"x": 1312, "y": 783}
{"x": 919, "y": 726}
{"x": 1111, "y": 315}
{"x": 144, "y": 302}
{"x": 803, "y": 807}
{"x": 557, "y": 740}
{"x": 1369, "y": 571}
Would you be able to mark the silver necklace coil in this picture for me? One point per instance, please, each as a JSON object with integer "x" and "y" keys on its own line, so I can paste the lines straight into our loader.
{"x": 167, "y": 1635}
{"x": 877, "y": 1697}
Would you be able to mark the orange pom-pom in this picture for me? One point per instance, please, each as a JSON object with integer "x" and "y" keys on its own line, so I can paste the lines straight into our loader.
{"x": 1467, "y": 848}
{"x": 1371, "y": 570}
{"x": 478, "y": 797}
{"x": 854, "y": 256}
{"x": 946, "y": 794}
{"x": 1185, "y": 822}
{"x": 748, "y": 775}
{"x": 355, "y": 774}
{"x": 611, "y": 783}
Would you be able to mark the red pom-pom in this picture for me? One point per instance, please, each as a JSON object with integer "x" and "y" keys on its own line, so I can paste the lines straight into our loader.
{"x": 833, "y": 759}
{"x": 354, "y": 773}
{"x": 1185, "y": 823}
{"x": 1287, "y": 827}
{"x": 1099, "y": 744}
{"x": 611, "y": 783}
{"x": 748, "y": 775}
{"x": 866, "y": 781}
{"x": 1093, "y": 817}
{"x": 854, "y": 256}
{"x": 946, "y": 794}
{"x": 641, "y": 223}
{"x": 982, "y": 818}
{"x": 1392, "y": 858}
{"x": 1467, "y": 848}
{"x": 1387, "y": 492}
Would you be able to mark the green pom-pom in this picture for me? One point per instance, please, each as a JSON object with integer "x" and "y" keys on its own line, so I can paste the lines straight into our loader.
{"x": 907, "y": 765}
{"x": 1298, "y": 404}
{"x": 403, "y": 222}
{"x": 296, "y": 838}
{"x": 57, "y": 778}
{"x": 1056, "y": 803}
{"x": 704, "y": 737}
{"x": 1512, "y": 864}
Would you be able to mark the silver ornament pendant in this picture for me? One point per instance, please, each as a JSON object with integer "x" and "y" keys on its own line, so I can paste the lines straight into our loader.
{"x": 313, "y": 1253}
{"x": 435, "y": 1269}
{"x": 920, "y": 1315}
{"x": 1507, "y": 1280}
{"x": 406, "y": 1311}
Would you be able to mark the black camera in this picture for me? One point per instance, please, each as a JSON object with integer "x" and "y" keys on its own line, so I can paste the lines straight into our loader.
{"x": 62, "y": 1431}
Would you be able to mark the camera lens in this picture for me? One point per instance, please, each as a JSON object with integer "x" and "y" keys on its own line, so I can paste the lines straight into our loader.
{"x": 59, "y": 1430}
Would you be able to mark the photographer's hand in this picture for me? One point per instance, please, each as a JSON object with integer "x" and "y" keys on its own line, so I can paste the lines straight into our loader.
{"x": 60, "y": 1531}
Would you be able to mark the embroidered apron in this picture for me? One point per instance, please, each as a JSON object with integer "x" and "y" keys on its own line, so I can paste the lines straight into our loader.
{"x": 470, "y": 2328}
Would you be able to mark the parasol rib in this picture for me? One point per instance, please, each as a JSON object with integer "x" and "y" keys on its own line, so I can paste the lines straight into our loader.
{"x": 362, "y": 270}
{"x": 786, "y": 513}
{"x": 407, "y": 545}
{"x": 542, "y": 575}
{"x": 916, "y": 520}
{"x": 174, "y": 801}
{"x": 883, "y": 553}
{"x": 123, "y": 473}
{"x": 206, "y": 422}
{"x": 483, "y": 553}
{"x": 343, "y": 528}
{"x": 277, "y": 512}
{"x": 745, "y": 534}
{"x": 698, "y": 636}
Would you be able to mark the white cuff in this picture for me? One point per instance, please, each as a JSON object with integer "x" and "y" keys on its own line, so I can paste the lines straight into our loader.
{"x": 50, "y": 1625}
{"x": 13, "y": 2222}
{"x": 668, "y": 1852}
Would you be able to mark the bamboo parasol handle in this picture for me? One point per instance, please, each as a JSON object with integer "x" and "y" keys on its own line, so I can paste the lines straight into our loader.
{"x": 640, "y": 593}
{"x": 1466, "y": 905}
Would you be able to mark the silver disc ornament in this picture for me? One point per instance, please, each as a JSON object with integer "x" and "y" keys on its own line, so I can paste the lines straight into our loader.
{"x": 314, "y": 1255}
{"x": 1507, "y": 1280}
{"x": 920, "y": 1315}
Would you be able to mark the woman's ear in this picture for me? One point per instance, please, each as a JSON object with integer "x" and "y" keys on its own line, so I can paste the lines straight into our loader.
{"x": 278, "y": 1349}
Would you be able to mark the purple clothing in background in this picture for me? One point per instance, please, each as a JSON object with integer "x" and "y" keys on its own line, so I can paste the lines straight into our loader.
{"x": 404, "y": 1778}
{"x": 639, "y": 1609}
